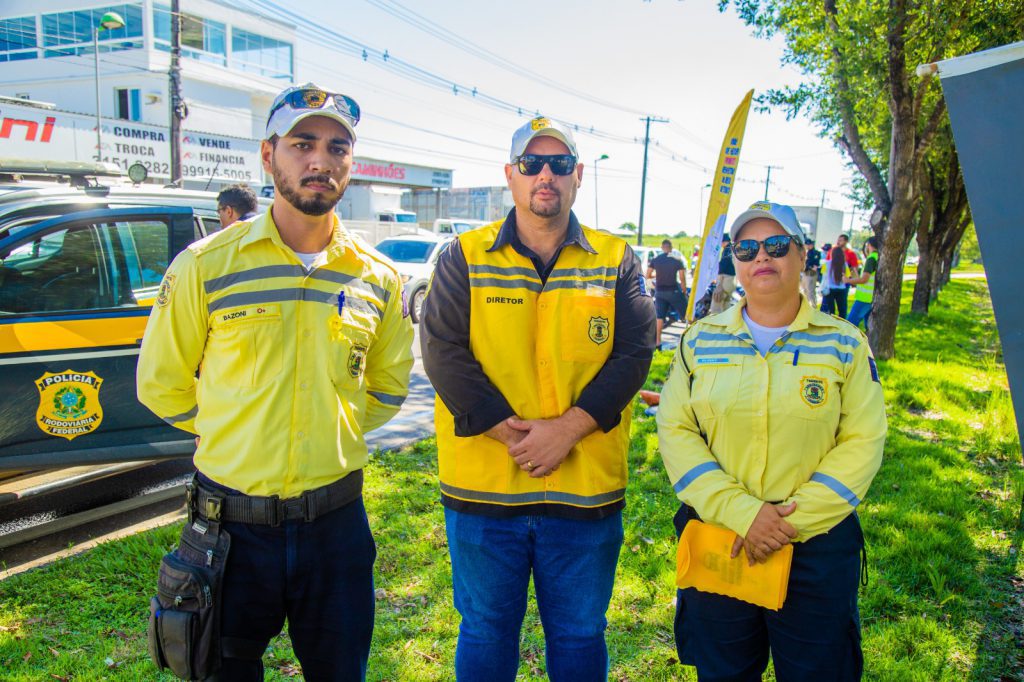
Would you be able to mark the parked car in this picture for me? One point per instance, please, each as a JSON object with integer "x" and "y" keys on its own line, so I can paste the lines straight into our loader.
{"x": 81, "y": 262}
{"x": 453, "y": 226}
{"x": 415, "y": 257}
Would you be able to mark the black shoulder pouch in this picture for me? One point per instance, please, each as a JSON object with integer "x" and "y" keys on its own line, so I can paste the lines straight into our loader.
{"x": 184, "y": 616}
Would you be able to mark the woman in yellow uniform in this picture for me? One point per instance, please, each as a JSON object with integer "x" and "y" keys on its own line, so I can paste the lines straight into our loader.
{"x": 772, "y": 425}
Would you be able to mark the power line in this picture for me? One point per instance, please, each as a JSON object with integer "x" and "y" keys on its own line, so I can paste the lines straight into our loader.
{"x": 430, "y": 27}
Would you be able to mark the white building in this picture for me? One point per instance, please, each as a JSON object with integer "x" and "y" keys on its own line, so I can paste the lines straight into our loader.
{"x": 233, "y": 64}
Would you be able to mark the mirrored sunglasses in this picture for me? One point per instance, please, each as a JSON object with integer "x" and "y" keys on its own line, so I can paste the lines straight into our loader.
{"x": 315, "y": 98}
{"x": 560, "y": 164}
{"x": 776, "y": 246}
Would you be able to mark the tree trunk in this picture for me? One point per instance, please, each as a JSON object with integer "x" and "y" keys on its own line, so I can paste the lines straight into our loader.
{"x": 923, "y": 284}
{"x": 935, "y": 281}
{"x": 885, "y": 307}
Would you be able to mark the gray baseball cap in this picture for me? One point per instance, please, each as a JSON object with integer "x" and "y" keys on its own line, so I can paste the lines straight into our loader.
{"x": 537, "y": 127}
{"x": 780, "y": 213}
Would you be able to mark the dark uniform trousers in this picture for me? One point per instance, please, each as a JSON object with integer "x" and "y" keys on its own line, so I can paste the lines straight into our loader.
{"x": 318, "y": 575}
{"x": 815, "y": 636}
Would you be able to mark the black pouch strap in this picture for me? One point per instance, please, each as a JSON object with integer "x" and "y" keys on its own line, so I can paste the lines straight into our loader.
{"x": 271, "y": 511}
{"x": 244, "y": 649}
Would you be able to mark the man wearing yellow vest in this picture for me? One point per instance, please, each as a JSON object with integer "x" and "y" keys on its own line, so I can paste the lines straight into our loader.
{"x": 536, "y": 333}
{"x": 281, "y": 341}
{"x": 865, "y": 283}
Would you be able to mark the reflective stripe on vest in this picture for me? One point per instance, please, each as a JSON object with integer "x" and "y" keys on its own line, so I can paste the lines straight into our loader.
{"x": 540, "y": 344}
{"x": 866, "y": 292}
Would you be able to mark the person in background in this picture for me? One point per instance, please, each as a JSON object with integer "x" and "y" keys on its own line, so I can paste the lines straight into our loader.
{"x": 235, "y": 203}
{"x": 725, "y": 283}
{"x": 833, "y": 283}
{"x": 669, "y": 286}
{"x": 772, "y": 425}
{"x": 864, "y": 294}
{"x": 849, "y": 254}
{"x": 809, "y": 278}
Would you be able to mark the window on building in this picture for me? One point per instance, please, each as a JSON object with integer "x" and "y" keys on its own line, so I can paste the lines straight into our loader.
{"x": 259, "y": 54}
{"x": 202, "y": 39}
{"x": 17, "y": 39}
{"x": 129, "y": 104}
{"x": 70, "y": 33}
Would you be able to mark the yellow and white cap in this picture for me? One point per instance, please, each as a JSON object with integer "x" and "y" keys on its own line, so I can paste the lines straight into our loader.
{"x": 537, "y": 127}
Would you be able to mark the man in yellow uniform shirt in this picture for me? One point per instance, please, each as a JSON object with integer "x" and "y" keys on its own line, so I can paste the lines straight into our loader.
{"x": 536, "y": 333}
{"x": 281, "y": 341}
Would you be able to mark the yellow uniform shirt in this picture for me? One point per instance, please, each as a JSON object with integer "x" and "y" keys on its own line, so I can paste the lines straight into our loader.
{"x": 805, "y": 423}
{"x": 254, "y": 354}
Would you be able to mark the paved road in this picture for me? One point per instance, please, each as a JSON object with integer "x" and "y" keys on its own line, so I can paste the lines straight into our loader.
{"x": 416, "y": 418}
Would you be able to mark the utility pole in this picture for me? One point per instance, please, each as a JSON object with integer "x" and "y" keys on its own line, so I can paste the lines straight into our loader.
{"x": 174, "y": 92}
{"x": 768, "y": 180}
{"x": 643, "y": 176}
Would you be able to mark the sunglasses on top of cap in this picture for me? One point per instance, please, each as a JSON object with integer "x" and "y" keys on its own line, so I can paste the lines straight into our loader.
{"x": 776, "y": 246}
{"x": 315, "y": 98}
{"x": 560, "y": 164}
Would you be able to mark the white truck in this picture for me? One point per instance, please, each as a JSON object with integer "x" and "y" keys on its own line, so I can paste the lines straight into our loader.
{"x": 375, "y": 212}
{"x": 821, "y": 224}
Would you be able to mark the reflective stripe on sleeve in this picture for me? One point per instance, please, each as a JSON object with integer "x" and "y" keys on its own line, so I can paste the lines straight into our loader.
{"x": 387, "y": 398}
{"x": 836, "y": 487}
{"x": 183, "y": 417}
{"x": 695, "y": 473}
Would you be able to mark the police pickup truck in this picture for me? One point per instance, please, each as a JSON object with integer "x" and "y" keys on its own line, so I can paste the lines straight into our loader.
{"x": 81, "y": 262}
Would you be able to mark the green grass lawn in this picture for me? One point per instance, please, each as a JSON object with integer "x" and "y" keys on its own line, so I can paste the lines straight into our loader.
{"x": 945, "y": 599}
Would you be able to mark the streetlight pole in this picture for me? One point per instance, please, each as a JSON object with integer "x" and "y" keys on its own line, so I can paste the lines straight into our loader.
{"x": 108, "y": 21}
{"x": 597, "y": 223}
{"x": 700, "y": 208}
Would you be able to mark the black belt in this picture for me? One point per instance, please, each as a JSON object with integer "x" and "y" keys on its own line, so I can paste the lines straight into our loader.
{"x": 215, "y": 505}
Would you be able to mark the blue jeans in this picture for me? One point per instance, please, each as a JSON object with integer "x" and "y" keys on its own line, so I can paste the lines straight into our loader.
{"x": 859, "y": 311}
{"x": 573, "y": 565}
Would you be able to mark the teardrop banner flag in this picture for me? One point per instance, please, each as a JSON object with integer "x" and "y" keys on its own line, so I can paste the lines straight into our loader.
{"x": 718, "y": 205}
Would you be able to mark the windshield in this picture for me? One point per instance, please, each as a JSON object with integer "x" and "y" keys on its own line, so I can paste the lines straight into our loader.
{"x": 462, "y": 227}
{"x": 405, "y": 217}
{"x": 402, "y": 251}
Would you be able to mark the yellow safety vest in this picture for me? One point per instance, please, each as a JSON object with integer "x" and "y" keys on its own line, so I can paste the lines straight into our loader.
{"x": 540, "y": 344}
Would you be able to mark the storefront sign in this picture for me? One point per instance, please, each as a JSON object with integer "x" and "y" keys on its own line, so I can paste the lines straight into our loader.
{"x": 43, "y": 134}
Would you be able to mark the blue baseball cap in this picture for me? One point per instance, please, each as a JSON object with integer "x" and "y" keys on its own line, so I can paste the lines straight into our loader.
{"x": 780, "y": 213}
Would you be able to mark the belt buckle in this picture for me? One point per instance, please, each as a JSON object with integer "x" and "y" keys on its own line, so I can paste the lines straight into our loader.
{"x": 293, "y": 508}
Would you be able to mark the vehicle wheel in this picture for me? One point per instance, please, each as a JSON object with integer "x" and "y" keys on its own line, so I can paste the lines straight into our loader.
{"x": 416, "y": 305}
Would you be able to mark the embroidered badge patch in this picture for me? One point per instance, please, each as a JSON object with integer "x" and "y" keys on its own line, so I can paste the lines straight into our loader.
{"x": 814, "y": 391}
{"x": 356, "y": 360}
{"x": 69, "y": 403}
{"x": 163, "y": 296}
{"x": 599, "y": 331}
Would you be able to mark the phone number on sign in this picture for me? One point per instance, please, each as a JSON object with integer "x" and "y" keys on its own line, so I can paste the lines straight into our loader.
{"x": 189, "y": 171}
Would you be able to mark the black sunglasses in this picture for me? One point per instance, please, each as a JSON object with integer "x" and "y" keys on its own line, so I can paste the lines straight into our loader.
{"x": 560, "y": 164}
{"x": 315, "y": 98}
{"x": 776, "y": 246}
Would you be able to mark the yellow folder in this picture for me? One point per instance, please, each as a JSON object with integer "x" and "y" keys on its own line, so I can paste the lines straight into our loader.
{"x": 703, "y": 562}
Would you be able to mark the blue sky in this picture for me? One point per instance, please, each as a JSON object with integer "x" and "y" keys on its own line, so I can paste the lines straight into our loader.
{"x": 598, "y": 63}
